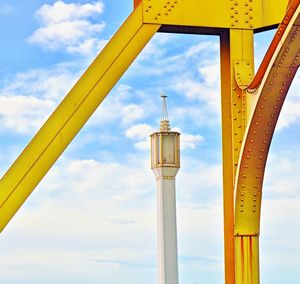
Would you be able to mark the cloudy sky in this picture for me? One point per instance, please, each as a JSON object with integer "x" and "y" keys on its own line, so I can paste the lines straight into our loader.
{"x": 93, "y": 217}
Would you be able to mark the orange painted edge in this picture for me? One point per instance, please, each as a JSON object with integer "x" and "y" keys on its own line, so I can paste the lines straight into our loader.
{"x": 136, "y": 3}
{"x": 278, "y": 36}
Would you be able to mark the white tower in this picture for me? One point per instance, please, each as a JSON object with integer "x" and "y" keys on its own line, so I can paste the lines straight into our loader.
{"x": 165, "y": 163}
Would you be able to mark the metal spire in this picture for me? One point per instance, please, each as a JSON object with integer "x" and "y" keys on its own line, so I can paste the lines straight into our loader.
{"x": 164, "y": 122}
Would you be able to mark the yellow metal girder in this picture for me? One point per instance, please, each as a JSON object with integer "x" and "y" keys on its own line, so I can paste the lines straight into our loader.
{"x": 244, "y": 153}
{"x": 231, "y": 14}
{"x": 247, "y": 259}
{"x": 73, "y": 112}
{"x": 271, "y": 95}
{"x": 236, "y": 47}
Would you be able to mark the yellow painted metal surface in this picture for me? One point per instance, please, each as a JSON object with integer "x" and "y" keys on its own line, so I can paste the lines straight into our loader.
{"x": 72, "y": 113}
{"x": 247, "y": 259}
{"x": 248, "y": 116}
{"x": 236, "y": 48}
{"x": 227, "y": 157}
{"x": 237, "y": 14}
{"x": 271, "y": 95}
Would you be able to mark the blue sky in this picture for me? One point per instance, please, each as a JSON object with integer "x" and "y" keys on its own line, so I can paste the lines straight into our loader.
{"x": 92, "y": 219}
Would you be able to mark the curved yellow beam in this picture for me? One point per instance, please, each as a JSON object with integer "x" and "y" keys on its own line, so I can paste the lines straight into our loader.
{"x": 279, "y": 74}
{"x": 271, "y": 94}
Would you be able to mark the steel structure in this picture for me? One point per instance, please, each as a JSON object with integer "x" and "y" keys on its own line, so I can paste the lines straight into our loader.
{"x": 250, "y": 106}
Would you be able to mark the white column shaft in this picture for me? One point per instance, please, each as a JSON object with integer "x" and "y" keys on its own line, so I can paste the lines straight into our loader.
{"x": 167, "y": 232}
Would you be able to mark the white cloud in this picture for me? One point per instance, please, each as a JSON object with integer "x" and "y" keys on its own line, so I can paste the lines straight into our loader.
{"x": 67, "y": 27}
{"x": 53, "y": 83}
{"x": 196, "y": 91}
{"x": 139, "y": 131}
{"x": 23, "y": 114}
{"x": 132, "y": 112}
{"x": 290, "y": 113}
{"x": 202, "y": 47}
{"x": 60, "y": 11}
{"x": 189, "y": 141}
{"x": 102, "y": 223}
{"x": 31, "y": 96}
{"x": 211, "y": 75}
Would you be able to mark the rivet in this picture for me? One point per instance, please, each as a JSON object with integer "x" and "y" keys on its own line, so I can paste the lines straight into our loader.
{"x": 243, "y": 186}
{"x": 258, "y": 166}
{"x": 267, "y": 132}
{"x": 265, "y": 141}
{"x": 262, "y": 150}
{"x": 242, "y": 209}
{"x": 248, "y": 157}
{"x": 257, "y": 176}
{"x": 251, "y": 141}
{"x": 246, "y": 166}
{"x": 259, "y": 114}
{"x": 242, "y": 193}
{"x": 269, "y": 123}
{"x": 261, "y": 157}
{"x": 244, "y": 175}
{"x": 254, "y": 132}
{"x": 249, "y": 150}
{"x": 242, "y": 204}
{"x": 254, "y": 200}
{"x": 254, "y": 205}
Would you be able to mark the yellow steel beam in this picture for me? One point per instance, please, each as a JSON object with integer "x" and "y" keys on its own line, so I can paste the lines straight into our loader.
{"x": 228, "y": 158}
{"x": 73, "y": 112}
{"x": 237, "y": 14}
{"x": 271, "y": 94}
{"x": 278, "y": 77}
{"x": 236, "y": 50}
{"x": 247, "y": 259}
